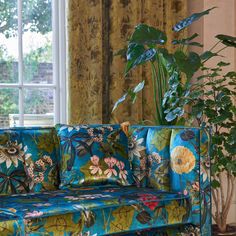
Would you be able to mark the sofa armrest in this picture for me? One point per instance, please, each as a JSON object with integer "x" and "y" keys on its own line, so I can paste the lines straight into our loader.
{"x": 190, "y": 172}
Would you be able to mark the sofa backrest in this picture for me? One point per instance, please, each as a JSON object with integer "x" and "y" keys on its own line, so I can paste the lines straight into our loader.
{"x": 161, "y": 154}
{"x": 28, "y": 160}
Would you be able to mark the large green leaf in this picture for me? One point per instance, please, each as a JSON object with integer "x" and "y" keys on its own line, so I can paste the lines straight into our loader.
{"x": 144, "y": 34}
{"x": 134, "y": 51}
{"x": 227, "y": 40}
{"x": 167, "y": 59}
{"x": 137, "y": 55}
{"x": 189, "y": 20}
{"x": 188, "y": 64}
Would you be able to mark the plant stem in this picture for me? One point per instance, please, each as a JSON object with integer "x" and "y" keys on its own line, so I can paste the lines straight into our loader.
{"x": 231, "y": 193}
{"x": 160, "y": 85}
{"x": 158, "y": 117}
{"x": 215, "y": 199}
{"x": 214, "y": 45}
{"x": 222, "y": 191}
{"x": 158, "y": 81}
{"x": 222, "y": 49}
{"x": 228, "y": 192}
{"x": 163, "y": 76}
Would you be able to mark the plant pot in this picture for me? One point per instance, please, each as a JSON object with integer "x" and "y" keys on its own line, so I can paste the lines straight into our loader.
{"x": 231, "y": 230}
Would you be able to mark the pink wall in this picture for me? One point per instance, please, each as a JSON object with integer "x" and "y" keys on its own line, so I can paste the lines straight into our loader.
{"x": 220, "y": 21}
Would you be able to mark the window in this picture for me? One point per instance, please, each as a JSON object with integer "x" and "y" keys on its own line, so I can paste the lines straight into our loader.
{"x": 32, "y": 62}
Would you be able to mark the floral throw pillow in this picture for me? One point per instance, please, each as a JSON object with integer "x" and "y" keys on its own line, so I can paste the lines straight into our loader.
{"x": 13, "y": 178}
{"x": 41, "y": 164}
{"x": 93, "y": 155}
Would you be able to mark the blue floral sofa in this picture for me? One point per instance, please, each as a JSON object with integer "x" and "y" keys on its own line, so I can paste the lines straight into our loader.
{"x": 104, "y": 180}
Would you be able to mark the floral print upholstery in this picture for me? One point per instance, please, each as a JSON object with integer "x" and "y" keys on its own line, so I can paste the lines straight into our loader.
{"x": 28, "y": 160}
{"x": 109, "y": 209}
{"x": 41, "y": 164}
{"x": 204, "y": 184}
{"x": 11, "y": 227}
{"x": 137, "y": 154}
{"x": 170, "y": 194}
{"x": 190, "y": 174}
{"x": 93, "y": 155}
{"x": 177, "y": 159}
{"x": 13, "y": 178}
{"x": 158, "y": 140}
{"x": 184, "y": 162}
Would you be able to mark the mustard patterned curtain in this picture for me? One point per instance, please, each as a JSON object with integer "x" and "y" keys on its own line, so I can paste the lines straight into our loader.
{"x": 96, "y": 30}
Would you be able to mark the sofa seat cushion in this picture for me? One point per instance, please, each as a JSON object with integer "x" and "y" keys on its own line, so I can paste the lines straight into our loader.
{"x": 102, "y": 209}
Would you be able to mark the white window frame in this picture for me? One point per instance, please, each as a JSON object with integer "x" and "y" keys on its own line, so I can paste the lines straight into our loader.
{"x": 59, "y": 84}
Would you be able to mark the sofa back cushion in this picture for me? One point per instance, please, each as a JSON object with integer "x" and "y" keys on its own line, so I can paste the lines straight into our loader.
{"x": 150, "y": 156}
{"x": 158, "y": 153}
{"x": 93, "y": 154}
{"x": 28, "y": 160}
{"x": 138, "y": 154}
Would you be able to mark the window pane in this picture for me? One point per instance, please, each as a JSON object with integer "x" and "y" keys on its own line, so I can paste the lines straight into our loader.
{"x": 37, "y": 41}
{"x": 8, "y": 106}
{"x": 8, "y": 42}
{"x": 38, "y": 107}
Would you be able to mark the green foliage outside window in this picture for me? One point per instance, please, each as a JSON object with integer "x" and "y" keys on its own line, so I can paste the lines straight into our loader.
{"x": 36, "y": 18}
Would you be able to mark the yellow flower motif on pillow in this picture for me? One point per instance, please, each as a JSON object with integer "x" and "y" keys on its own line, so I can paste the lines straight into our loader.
{"x": 182, "y": 160}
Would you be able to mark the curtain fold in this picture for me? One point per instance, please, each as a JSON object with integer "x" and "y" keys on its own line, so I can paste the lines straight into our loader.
{"x": 96, "y": 30}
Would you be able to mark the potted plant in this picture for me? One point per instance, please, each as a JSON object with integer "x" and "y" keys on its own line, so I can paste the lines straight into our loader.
{"x": 180, "y": 96}
{"x": 218, "y": 112}
{"x": 211, "y": 99}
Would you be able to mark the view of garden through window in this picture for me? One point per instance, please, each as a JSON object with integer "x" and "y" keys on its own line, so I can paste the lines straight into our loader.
{"x": 33, "y": 57}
